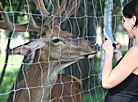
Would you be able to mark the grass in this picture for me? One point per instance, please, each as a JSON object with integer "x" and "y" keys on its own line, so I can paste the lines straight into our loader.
{"x": 96, "y": 97}
{"x": 11, "y": 72}
{"x": 95, "y": 94}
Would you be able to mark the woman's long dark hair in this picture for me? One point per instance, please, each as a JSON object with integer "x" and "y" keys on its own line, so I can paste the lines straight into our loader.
{"x": 130, "y": 10}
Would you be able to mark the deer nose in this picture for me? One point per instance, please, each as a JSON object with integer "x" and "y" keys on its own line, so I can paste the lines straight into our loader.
{"x": 95, "y": 46}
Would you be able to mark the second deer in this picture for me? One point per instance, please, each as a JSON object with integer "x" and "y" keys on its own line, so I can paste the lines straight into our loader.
{"x": 54, "y": 50}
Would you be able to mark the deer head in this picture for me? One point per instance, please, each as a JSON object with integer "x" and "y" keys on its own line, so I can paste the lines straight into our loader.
{"x": 53, "y": 42}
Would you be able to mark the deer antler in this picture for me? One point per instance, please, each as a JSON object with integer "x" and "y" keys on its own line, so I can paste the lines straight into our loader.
{"x": 58, "y": 14}
{"x": 62, "y": 7}
{"x": 53, "y": 13}
{"x": 72, "y": 7}
{"x": 32, "y": 22}
{"x": 41, "y": 6}
{"x": 7, "y": 25}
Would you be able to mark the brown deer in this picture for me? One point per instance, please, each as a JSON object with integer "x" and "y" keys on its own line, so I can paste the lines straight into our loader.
{"x": 54, "y": 50}
{"x": 67, "y": 89}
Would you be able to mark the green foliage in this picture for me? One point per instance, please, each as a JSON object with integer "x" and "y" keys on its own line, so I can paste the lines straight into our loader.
{"x": 12, "y": 69}
{"x": 11, "y": 5}
{"x": 98, "y": 96}
{"x": 11, "y": 9}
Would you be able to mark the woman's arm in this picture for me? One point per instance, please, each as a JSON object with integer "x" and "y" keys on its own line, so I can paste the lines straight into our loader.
{"x": 112, "y": 77}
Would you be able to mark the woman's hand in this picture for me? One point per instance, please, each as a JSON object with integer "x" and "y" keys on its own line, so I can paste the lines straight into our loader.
{"x": 117, "y": 51}
{"x": 117, "y": 47}
{"x": 107, "y": 45}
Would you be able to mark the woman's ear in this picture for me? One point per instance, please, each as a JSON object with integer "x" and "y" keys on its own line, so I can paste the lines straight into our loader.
{"x": 134, "y": 19}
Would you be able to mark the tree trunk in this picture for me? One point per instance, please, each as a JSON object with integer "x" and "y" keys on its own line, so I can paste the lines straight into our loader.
{"x": 107, "y": 24}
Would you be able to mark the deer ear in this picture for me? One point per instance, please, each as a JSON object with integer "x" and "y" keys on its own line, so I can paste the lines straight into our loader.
{"x": 27, "y": 48}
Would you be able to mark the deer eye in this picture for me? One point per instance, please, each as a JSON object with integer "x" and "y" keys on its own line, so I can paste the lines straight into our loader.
{"x": 56, "y": 40}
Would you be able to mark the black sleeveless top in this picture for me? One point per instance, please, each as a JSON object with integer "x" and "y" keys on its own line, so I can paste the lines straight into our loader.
{"x": 126, "y": 91}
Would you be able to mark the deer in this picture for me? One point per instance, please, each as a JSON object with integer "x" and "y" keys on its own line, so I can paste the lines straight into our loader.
{"x": 54, "y": 50}
{"x": 67, "y": 89}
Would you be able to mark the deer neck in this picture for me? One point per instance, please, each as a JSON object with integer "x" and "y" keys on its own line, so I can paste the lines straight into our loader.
{"x": 44, "y": 73}
{"x": 44, "y": 69}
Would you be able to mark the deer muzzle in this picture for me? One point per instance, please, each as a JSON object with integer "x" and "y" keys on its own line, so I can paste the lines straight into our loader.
{"x": 94, "y": 46}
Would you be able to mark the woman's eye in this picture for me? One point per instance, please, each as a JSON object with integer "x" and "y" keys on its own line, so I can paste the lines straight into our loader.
{"x": 56, "y": 40}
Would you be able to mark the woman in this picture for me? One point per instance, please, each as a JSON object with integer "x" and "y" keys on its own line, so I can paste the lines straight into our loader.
{"x": 122, "y": 81}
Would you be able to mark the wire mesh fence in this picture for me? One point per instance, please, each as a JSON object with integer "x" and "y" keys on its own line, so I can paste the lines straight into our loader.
{"x": 70, "y": 71}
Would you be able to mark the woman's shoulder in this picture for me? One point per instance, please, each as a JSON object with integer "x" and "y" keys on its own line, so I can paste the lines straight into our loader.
{"x": 132, "y": 55}
{"x": 134, "y": 49}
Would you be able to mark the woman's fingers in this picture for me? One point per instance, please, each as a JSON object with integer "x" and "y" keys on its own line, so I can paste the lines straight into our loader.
{"x": 106, "y": 37}
{"x": 116, "y": 43}
{"x": 117, "y": 46}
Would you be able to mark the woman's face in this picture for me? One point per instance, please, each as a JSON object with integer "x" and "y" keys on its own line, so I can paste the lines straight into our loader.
{"x": 128, "y": 25}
